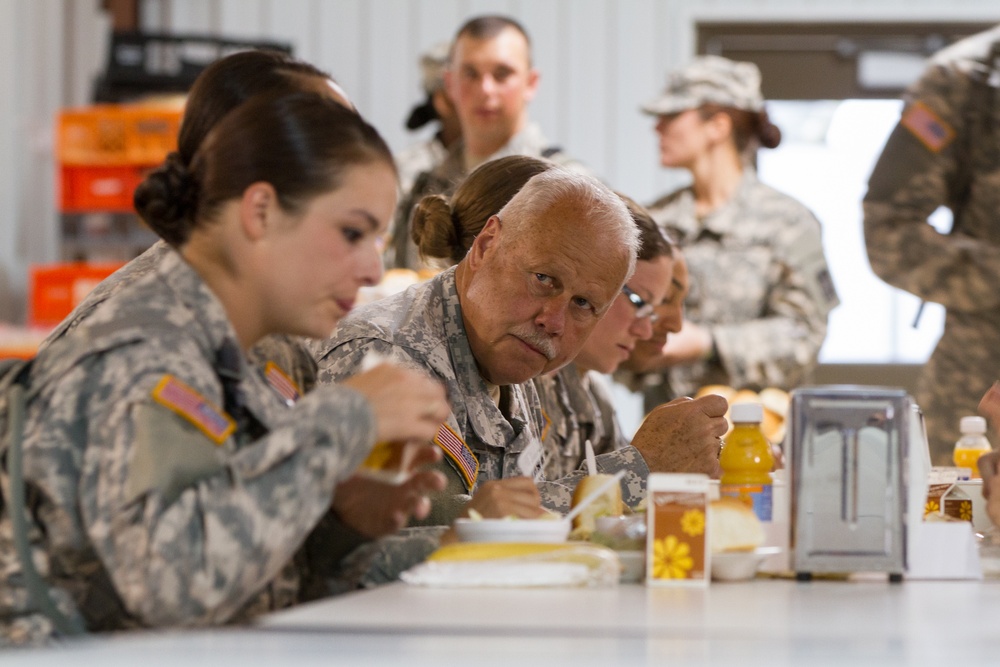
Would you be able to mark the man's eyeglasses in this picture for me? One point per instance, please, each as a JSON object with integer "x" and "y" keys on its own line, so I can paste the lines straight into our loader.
{"x": 642, "y": 309}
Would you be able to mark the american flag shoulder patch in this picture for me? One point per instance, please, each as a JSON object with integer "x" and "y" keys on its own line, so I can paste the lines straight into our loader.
{"x": 281, "y": 383}
{"x": 460, "y": 454}
{"x": 192, "y": 406}
{"x": 927, "y": 126}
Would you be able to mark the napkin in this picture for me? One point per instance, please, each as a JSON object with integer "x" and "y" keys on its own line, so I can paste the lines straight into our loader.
{"x": 513, "y": 565}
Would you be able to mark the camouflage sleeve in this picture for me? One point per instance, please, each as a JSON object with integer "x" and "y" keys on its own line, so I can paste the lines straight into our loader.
{"x": 191, "y": 548}
{"x": 911, "y": 179}
{"x": 780, "y": 348}
{"x": 382, "y": 561}
{"x": 557, "y": 495}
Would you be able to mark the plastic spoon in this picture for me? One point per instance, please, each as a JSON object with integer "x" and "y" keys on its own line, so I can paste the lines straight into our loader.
{"x": 588, "y": 450}
{"x": 594, "y": 495}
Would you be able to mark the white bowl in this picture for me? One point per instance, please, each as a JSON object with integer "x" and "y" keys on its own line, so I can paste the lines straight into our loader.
{"x": 512, "y": 530}
{"x": 633, "y": 566}
{"x": 739, "y": 565}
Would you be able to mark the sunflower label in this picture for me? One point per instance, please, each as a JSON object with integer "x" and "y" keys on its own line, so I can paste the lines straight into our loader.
{"x": 677, "y": 534}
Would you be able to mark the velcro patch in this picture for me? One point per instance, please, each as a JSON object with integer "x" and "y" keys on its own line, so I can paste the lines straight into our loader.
{"x": 927, "y": 126}
{"x": 281, "y": 383}
{"x": 456, "y": 450}
{"x": 192, "y": 406}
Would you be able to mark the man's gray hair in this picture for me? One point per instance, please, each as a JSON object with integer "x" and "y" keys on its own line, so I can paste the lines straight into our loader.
{"x": 549, "y": 188}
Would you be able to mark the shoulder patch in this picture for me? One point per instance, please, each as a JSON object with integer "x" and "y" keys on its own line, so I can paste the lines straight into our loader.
{"x": 456, "y": 450}
{"x": 173, "y": 394}
{"x": 927, "y": 126}
{"x": 281, "y": 383}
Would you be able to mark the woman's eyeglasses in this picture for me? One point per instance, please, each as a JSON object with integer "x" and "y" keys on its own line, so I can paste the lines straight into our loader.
{"x": 642, "y": 309}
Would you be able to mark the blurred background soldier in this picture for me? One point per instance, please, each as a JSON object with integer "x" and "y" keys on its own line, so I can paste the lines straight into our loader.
{"x": 945, "y": 151}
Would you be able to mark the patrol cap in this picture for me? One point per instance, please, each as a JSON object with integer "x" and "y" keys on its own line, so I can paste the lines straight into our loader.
{"x": 433, "y": 62}
{"x": 709, "y": 80}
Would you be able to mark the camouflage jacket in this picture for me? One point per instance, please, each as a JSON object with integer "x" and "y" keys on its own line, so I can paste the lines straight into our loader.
{"x": 759, "y": 282}
{"x": 445, "y": 175}
{"x": 945, "y": 151}
{"x": 579, "y": 408}
{"x": 423, "y": 328}
{"x": 171, "y": 483}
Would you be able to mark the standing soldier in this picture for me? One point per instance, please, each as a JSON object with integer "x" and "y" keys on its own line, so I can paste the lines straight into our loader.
{"x": 945, "y": 151}
{"x": 425, "y": 155}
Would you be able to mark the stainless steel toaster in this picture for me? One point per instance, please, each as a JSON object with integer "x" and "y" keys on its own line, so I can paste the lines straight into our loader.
{"x": 849, "y": 456}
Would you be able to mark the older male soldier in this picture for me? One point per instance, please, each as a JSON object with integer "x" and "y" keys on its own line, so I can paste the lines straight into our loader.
{"x": 490, "y": 80}
{"x": 521, "y": 303}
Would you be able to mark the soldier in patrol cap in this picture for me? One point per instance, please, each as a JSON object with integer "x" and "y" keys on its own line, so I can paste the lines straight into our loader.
{"x": 436, "y": 107}
{"x": 171, "y": 484}
{"x": 945, "y": 151}
{"x": 760, "y": 288}
{"x": 490, "y": 79}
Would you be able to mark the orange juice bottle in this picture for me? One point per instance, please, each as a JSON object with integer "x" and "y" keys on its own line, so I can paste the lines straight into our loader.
{"x": 747, "y": 461}
{"x": 972, "y": 444}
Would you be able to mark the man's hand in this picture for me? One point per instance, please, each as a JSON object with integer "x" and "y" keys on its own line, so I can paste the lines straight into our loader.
{"x": 684, "y": 435}
{"x": 375, "y": 509}
{"x": 513, "y": 496}
{"x": 989, "y": 407}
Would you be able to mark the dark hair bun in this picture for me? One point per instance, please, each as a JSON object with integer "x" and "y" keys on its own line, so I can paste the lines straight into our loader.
{"x": 768, "y": 133}
{"x": 433, "y": 230}
{"x": 167, "y": 199}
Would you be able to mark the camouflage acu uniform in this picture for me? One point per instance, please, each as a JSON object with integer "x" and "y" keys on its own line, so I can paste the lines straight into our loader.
{"x": 423, "y": 328}
{"x": 579, "y": 407}
{"x": 172, "y": 485}
{"x": 759, "y": 283}
{"x": 287, "y": 352}
{"x": 445, "y": 176}
{"x": 416, "y": 159}
{"x": 946, "y": 152}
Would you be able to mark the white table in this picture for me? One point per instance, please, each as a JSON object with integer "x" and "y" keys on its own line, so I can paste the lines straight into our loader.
{"x": 762, "y": 622}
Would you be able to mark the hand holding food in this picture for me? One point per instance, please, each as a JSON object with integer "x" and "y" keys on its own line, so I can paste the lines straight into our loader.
{"x": 510, "y": 497}
{"x": 683, "y": 435}
{"x": 408, "y": 404}
{"x": 375, "y": 508}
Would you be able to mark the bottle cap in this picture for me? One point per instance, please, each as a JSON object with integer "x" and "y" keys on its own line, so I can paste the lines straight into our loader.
{"x": 972, "y": 424}
{"x": 742, "y": 413}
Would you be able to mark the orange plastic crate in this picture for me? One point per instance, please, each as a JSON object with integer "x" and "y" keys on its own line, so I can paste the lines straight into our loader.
{"x": 56, "y": 289}
{"x": 117, "y": 134}
{"x": 87, "y": 189}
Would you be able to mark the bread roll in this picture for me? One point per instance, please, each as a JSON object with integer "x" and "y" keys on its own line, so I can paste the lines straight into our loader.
{"x": 609, "y": 504}
{"x": 732, "y": 526}
{"x": 775, "y": 402}
{"x": 717, "y": 389}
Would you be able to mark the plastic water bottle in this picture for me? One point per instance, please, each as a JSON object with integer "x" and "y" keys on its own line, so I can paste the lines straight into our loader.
{"x": 972, "y": 444}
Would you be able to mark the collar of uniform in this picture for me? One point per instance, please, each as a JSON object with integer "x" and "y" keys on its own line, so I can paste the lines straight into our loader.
{"x": 575, "y": 385}
{"x": 725, "y": 220}
{"x": 191, "y": 290}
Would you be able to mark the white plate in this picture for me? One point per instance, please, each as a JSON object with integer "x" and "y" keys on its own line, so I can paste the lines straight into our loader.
{"x": 512, "y": 530}
{"x": 739, "y": 565}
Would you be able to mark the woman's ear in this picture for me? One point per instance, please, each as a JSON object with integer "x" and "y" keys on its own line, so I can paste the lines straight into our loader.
{"x": 258, "y": 207}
